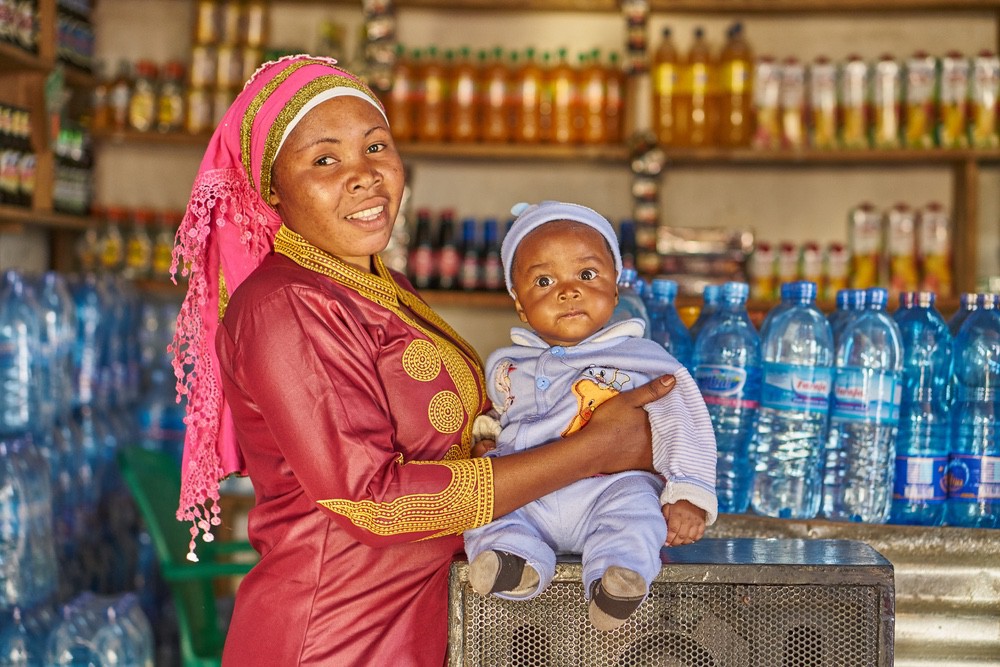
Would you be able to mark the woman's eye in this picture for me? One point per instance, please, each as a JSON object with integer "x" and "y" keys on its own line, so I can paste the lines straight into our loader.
{"x": 543, "y": 281}
{"x": 376, "y": 148}
{"x": 588, "y": 274}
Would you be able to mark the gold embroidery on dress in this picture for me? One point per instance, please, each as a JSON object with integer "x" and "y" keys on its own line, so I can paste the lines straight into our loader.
{"x": 445, "y": 412}
{"x": 223, "y": 295}
{"x": 456, "y": 508}
{"x": 421, "y": 360}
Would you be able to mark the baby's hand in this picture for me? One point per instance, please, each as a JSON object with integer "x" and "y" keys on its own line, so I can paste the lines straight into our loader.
{"x": 685, "y": 523}
{"x": 481, "y": 447}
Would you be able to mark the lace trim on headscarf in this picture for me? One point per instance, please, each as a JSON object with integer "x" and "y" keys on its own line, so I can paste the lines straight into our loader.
{"x": 220, "y": 197}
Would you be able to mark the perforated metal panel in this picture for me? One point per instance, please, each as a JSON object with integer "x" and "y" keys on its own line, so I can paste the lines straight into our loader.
{"x": 718, "y": 603}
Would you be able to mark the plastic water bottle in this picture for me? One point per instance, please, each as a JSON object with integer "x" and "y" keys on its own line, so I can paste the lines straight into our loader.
{"x": 974, "y": 463}
{"x": 794, "y": 406}
{"x": 922, "y": 443}
{"x": 711, "y": 296}
{"x": 13, "y": 528}
{"x": 15, "y": 642}
{"x": 59, "y": 318}
{"x": 630, "y": 304}
{"x": 849, "y": 303}
{"x": 864, "y": 415}
{"x": 666, "y": 326}
{"x": 87, "y": 351}
{"x": 967, "y": 302}
{"x": 727, "y": 369}
{"x": 19, "y": 343}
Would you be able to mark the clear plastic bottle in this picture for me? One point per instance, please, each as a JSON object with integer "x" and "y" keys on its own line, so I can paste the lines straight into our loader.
{"x": 463, "y": 102}
{"x": 974, "y": 462}
{"x": 696, "y": 99}
{"x": 665, "y": 72}
{"x": 431, "y": 112}
{"x": 727, "y": 367}
{"x": 565, "y": 96}
{"x": 666, "y": 326}
{"x": 967, "y": 302}
{"x": 496, "y": 98}
{"x": 19, "y": 357}
{"x": 593, "y": 98}
{"x": 923, "y": 441}
{"x": 736, "y": 94}
{"x": 794, "y": 408}
{"x": 15, "y": 642}
{"x": 864, "y": 416}
{"x": 711, "y": 296}
{"x": 400, "y": 102}
{"x": 528, "y": 85}
{"x": 630, "y": 304}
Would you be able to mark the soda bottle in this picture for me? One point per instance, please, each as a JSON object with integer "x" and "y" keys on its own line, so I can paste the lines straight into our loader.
{"x": 496, "y": 99}
{"x": 400, "y": 102}
{"x": 448, "y": 259}
{"x": 797, "y": 349}
{"x": 528, "y": 84}
{"x": 627, "y": 243}
{"x": 492, "y": 268}
{"x": 666, "y": 327}
{"x": 665, "y": 69}
{"x": 967, "y": 303}
{"x": 565, "y": 95}
{"x": 593, "y": 98}
{"x": 735, "y": 95}
{"x": 728, "y": 371}
{"x": 711, "y": 296}
{"x": 630, "y": 304}
{"x": 463, "y": 103}
{"x": 974, "y": 462}
{"x": 922, "y": 443}
{"x": 421, "y": 259}
{"x": 468, "y": 276}
{"x": 433, "y": 82}
{"x": 864, "y": 415}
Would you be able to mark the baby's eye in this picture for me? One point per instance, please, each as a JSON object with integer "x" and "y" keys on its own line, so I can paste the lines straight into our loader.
{"x": 543, "y": 281}
{"x": 588, "y": 274}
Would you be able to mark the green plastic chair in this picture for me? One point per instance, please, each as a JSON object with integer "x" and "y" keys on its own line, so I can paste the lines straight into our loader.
{"x": 155, "y": 482}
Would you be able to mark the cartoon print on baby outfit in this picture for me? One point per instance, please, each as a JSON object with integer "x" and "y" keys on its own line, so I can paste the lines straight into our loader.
{"x": 501, "y": 382}
{"x": 593, "y": 390}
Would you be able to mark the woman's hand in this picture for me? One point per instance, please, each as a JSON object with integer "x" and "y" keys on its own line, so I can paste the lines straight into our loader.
{"x": 685, "y": 523}
{"x": 616, "y": 438}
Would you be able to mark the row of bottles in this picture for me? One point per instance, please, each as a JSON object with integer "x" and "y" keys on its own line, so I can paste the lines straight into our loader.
{"x": 453, "y": 257}
{"x": 75, "y": 33}
{"x": 503, "y": 97}
{"x": 18, "y": 160}
{"x": 73, "y": 186}
{"x": 19, "y": 24}
{"x": 859, "y": 416}
{"x": 136, "y": 243}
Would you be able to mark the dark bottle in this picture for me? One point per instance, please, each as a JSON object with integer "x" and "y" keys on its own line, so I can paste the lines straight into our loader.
{"x": 449, "y": 260}
{"x": 626, "y": 243}
{"x": 468, "y": 277}
{"x": 421, "y": 261}
{"x": 491, "y": 267}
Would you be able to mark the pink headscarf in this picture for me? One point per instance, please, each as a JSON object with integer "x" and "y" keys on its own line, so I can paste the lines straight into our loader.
{"x": 226, "y": 232}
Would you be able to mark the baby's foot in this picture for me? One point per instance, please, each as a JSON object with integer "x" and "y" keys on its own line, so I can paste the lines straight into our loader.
{"x": 615, "y": 596}
{"x": 502, "y": 572}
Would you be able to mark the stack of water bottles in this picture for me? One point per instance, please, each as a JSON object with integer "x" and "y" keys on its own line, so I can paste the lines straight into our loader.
{"x": 70, "y": 359}
{"x": 856, "y": 416}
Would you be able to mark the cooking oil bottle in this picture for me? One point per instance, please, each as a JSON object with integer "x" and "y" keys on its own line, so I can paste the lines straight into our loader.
{"x": 431, "y": 111}
{"x": 735, "y": 94}
{"x": 696, "y": 100}
{"x": 665, "y": 66}
{"x": 593, "y": 98}
{"x": 399, "y": 102}
{"x": 496, "y": 99}
{"x": 463, "y": 103}
{"x": 528, "y": 84}
{"x": 565, "y": 101}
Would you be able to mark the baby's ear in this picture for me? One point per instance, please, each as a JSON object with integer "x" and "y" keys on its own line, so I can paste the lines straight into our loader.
{"x": 520, "y": 310}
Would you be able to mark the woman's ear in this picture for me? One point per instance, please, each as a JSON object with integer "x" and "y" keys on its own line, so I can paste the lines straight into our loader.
{"x": 272, "y": 198}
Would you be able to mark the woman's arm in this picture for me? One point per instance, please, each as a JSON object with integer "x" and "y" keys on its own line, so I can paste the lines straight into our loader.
{"x": 617, "y": 438}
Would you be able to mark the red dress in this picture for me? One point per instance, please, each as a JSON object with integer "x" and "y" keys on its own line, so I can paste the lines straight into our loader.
{"x": 353, "y": 406}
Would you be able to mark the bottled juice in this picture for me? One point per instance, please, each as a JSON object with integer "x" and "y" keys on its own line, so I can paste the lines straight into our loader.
{"x": 767, "y": 98}
{"x": 665, "y": 66}
{"x": 593, "y": 98}
{"x": 735, "y": 94}
{"x": 496, "y": 99}
{"x": 985, "y": 87}
{"x": 433, "y": 98}
{"x": 463, "y": 103}
{"x": 901, "y": 249}
{"x": 854, "y": 103}
{"x": 545, "y": 100}
{"x": 919, "y": 96}
{"x": 934, "y": 250}
{"x": 865, "y": 242}
{"x": 696, "y": 100}
{"x": 822, "y": 103}
{"x": 793, "y": 104}
{"x": 528, "y": 84}
{"x": 565, "y": 101}
{"x": 615, "y": 105}
{"x": 400, "y": 100}
{"x": 886, "y": 99}
{"x": 953, "y": 101}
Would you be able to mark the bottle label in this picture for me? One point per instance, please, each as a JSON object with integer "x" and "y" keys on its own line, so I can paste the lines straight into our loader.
{"x": 724, "y": 385}
{"x": 866, "y": 395}
{"x": 449, "y": 264}
{"x": 973, "y": 478}
{"x": 921, "y": 479}
{"x": 796, "y": 388}
{"x": 422, "y": 267}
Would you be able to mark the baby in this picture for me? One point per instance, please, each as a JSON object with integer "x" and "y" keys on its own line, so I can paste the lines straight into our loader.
{"x": 561, "y": 263}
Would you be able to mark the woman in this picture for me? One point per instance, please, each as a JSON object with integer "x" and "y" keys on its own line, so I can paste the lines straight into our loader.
{"x": 346, "y": 399}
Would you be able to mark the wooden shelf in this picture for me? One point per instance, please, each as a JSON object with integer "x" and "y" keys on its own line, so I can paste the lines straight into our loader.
{"x": 15, "y": 58}
{"x": 175, "y": 139}
{"x": 50, "y": 219}
{"x": 699, "y": 6}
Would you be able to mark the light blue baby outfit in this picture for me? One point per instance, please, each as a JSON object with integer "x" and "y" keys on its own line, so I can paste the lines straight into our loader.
{"x": 543, "y": 393}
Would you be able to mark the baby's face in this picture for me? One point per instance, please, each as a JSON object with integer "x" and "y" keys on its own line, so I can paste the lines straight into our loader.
{"x": 564, "y": 282}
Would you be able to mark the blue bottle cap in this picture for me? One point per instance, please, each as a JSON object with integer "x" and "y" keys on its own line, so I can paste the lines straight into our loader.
{"x": 735, "y": 290}
{"x": 877, "y": 297}
{"x": 664, "y": 289}
{"x": 628, "y": 276}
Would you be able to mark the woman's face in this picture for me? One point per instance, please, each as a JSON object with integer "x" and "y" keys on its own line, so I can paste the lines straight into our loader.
{"x": 338, "y": 180}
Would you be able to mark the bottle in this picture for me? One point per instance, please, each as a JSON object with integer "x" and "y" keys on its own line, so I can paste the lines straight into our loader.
{"x": 401, "y": 100}
{"x": 864, "y": 416}
{"x": 421, "y": 260}
{"x": 448, "y": 260}
{"x": 736, "y": 95}
{"x": 19, "y": 357}
{"x": 614, "y": 113}
{"x": 974, "y": 462}
{"x": 139, "y": 246}
{"x": 463, "y": 103}
{"x": 593, "y": 98}
{"x": 15, "y": 642}
{"x": 565, "y": 95}
{"x": 967, "y": 303}
{"x": 170, "y": 109}
{"x": 142, "y": 101}
{"x": 112, "y": 241}
{"x": 59, "y": 323}
{"x": 630, "y": 304}
{"x": 161, "y": 257}
{"x": 696, "y": 103}
{"x": 727, "y": 369}
{"x": 850, "y": 303}
{"x": 922, "y": 443}
{"x": 711, "y": 297}
{"x": 433, "y": 81}
{"x": 797, "y": 350}
{"x": 528, "y": 84}
{"x": 492, "y": 267}
{"x": 468, "y": 275}
{"x": 119, "y": 95}
{"x": 665, "y": 72}
{"x": 666, "y": 327}
{"x": 627, "y": 243}
{"x": 496, "y": 99}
